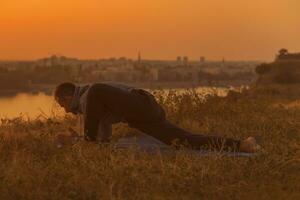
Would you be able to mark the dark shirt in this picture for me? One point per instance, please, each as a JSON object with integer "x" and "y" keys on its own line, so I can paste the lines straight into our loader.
{"x": 98, "y": 118}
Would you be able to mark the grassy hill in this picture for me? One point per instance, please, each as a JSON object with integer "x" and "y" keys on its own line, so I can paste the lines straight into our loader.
{"x": 33, "y": 168}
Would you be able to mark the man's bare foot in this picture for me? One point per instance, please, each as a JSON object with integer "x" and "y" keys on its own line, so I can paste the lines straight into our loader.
{"x": 249, "y": 145}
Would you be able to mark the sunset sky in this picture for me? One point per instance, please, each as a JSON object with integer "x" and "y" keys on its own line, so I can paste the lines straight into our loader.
{"x": 160, "y": 29}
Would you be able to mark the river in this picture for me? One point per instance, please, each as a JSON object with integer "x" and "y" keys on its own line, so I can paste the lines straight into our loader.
{"x": 42, "y": 105}
{"x": 28, "y": 105}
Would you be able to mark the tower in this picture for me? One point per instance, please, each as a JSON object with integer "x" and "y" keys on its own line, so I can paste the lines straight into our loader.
{"x": 139, "y": 57}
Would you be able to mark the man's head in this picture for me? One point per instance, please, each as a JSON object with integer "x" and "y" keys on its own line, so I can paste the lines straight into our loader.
{"x": 64, "y": 94}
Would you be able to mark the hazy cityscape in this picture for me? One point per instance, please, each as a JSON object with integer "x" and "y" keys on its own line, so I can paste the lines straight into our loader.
{"x": 44, "y": 73}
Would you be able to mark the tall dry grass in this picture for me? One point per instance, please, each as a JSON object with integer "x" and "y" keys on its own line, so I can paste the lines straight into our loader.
{"x": 31, "y": 167}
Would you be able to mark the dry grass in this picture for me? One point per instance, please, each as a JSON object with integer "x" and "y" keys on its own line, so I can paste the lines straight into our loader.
{"x": 31, "y": 167}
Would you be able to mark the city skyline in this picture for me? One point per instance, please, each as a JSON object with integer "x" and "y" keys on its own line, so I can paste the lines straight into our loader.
{"x": 234, "y": 30}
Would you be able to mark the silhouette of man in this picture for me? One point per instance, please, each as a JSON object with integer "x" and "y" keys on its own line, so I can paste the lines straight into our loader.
{"x": 103, "y": 104}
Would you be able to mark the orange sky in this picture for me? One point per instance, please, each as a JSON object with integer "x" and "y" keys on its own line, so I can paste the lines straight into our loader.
{"x": 161, "y": 29}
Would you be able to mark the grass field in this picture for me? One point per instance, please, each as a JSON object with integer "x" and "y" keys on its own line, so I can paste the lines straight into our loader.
{"x": 31, "y": 167}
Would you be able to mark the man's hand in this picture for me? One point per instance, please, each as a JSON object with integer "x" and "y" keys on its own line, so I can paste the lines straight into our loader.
{"x": 67, "y": 139}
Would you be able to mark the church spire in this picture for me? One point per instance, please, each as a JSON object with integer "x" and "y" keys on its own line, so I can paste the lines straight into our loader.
{"x": 139, "y": 56}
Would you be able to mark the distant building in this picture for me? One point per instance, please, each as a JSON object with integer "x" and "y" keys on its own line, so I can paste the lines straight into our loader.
{"x": 55, "y": 60}
{"x": 178, "y": 74}
{"x": 185, "y": 60}
{"x": 202, "y": 59}
{"x": 139, "y": 57}
{"x": 154, "y": 73}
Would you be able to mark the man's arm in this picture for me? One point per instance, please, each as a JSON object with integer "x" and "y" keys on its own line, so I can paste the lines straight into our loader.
{"x": 104, "y": 131}
{"x": 97, "y": 122}
{"x": 92, "y": 115}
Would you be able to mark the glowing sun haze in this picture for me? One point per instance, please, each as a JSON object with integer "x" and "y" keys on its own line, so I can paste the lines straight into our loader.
{"x": 161, "y": 29}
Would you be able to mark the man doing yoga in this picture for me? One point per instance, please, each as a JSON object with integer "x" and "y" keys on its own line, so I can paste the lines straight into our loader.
{"x": 104, "y": 104}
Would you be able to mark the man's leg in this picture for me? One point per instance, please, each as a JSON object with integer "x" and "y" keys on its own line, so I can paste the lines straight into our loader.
{"x": 161, "y": 129}
{"x": 169, "y": 133}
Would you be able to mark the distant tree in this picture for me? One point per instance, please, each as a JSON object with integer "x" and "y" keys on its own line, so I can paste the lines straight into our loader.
{"x": 283, "y": 52}
{"x": 263, "y": 69}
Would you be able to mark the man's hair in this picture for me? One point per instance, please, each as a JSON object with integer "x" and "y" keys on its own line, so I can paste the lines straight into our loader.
{"x": 64, "y": 89}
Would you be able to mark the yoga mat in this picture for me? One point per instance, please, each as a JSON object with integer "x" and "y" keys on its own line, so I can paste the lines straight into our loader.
{"x": 149, "y": 144}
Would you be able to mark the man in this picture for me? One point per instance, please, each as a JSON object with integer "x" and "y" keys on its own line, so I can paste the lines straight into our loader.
{"x": 104, "y": 104}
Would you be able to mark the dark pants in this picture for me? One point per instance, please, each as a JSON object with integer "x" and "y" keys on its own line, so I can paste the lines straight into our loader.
{"x": 141, "y": 111}
{"x": 160, "y": 128}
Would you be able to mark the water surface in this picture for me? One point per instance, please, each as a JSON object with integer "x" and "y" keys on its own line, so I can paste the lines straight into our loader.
{"x": 28, "y": 105}
{"x": 42, "y": 105}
